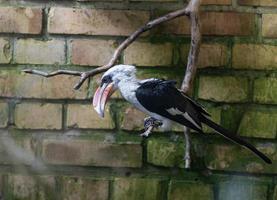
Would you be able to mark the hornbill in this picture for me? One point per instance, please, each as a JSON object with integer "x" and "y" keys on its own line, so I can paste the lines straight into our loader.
{"x": 162, "y": 101}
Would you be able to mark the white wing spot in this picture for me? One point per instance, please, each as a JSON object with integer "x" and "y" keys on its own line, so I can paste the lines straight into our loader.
{"x": 174, "y": 111}
{"x": 186, "y": 115}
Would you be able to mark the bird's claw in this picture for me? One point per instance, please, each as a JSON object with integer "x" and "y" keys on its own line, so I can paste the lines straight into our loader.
{"x": 149, "y": 124}
{"x": 150, "y": 121}
{"x": 147, "y": 132}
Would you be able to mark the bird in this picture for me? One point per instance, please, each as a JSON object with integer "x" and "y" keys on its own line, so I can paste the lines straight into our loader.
{"x": 162, "y": 101}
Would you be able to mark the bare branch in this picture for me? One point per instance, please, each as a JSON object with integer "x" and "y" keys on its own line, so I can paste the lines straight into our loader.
{"x": 187, "y": 84}
{"x": 117, "y": 53}
{"x": 54, "y": 73}
{"x": 193, "y": 8}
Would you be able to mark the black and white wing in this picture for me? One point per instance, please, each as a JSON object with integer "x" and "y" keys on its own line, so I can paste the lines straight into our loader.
{"x": 163, "y": 98}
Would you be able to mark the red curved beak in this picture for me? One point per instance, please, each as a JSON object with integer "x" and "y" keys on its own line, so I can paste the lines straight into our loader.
{"x": 101, "y": 97}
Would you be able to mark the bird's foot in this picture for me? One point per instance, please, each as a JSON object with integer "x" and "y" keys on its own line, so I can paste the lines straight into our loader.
{"x": 149, "y": 124}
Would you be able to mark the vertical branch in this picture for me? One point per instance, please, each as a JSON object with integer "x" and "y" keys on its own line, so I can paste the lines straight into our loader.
{"x": 187, "y": 84}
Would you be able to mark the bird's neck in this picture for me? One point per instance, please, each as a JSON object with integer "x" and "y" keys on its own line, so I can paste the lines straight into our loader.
{"x": 128, "y": 86}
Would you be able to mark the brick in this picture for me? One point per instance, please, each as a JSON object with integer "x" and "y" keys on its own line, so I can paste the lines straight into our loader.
{"x": 31, "y": 51}
{"x": 216, "y": 2}
{"x": 22, "y": 187}
{"x": 92, "y": 52}
{"x": 269, "y": 25}
{"x": 147, "y": 54}
{"x": 211, "y": 55}
{"x": 19, "y": 150}
{"x": 251, "y": 56}
{"x": 95, "y": 22}
{"x": 259, "y": 124}
{"x": 38, "y": 116}
{"x": 240, "y": 191}
{"x": 137, "y": 189}
{"x": 214, "y": 23}
{"x": 77, "y": 188}
{"x": 20, "y": 20}
{"x": 231, "y": 116}
{"x": 226, "y": 89}
{"x": 133, "y": 119}
{"x": 47, "y": 188}
{"x": 19, "y": 84}
{"x": 84, "y": 116}
{"x": 186, "y": 191}
{"x": 165, "y": 153}
{"x": 4, "y": 114}
{"x": 5, "y": 51}
{"x": 91, "y": 153}
{"x": 232, "y": 157}
{"x": 258, "y": 2}
{"x": 265, "y": 90}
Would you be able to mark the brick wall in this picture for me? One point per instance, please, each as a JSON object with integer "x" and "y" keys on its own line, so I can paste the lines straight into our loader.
{"x": 85, "y": 157}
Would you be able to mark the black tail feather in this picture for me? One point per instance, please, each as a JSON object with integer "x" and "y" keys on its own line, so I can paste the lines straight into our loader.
{"x": 235, "y": 138}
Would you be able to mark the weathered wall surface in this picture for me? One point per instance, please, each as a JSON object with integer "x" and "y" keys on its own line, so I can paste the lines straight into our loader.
{"x": 86, "y": 157}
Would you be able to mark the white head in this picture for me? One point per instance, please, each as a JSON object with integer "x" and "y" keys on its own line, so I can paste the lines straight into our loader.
{"x": 109, "y": 84}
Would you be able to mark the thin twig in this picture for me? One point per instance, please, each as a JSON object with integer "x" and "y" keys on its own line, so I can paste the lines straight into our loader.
{"x": 85, "y": 75}
{"x": 187, "y": 83}
{"x": 55, "y": 73}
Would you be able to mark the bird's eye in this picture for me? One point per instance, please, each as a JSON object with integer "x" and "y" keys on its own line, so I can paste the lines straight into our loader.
{"x": 106, "y": 79}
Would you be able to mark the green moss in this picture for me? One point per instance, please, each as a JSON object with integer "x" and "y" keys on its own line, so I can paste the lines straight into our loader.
{"x": 188, "y": 191}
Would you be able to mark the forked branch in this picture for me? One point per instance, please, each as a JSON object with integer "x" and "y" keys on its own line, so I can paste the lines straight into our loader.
{"x": 85, "y": 75}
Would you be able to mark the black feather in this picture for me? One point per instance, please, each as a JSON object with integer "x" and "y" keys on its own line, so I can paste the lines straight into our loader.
{"x": 158, "y": 96}
{"x": 235, "y": 138}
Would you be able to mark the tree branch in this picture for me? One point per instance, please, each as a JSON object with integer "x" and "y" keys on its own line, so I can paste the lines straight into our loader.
{"x": 85, "y": 75}
{"x": 187, "y": 83}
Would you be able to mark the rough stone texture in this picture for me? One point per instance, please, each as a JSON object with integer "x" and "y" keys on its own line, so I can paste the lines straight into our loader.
{"x": 38, "y": 116}
{"x": 91, "y": 153}
{"x": 259, "y": 124}
{"x": 265, "y": 90}
{"x": 258, "y": 2}
{"x": 180, "y": 190}
{"x": 5, "y": 51}
{"x": 84, "y": 116}
{"x": 76, "y": 188}
{"x": 211, "y": 55}
{"x": 22, "y": 187}
{"x": 251, "y": 56}
{"x": 216, "y": 2}
{"x": 147, "y": 54}
{"x": 4, "y": 114}
{"x": 164, "y": 153}
{"x": 137, "y": 189}
{"x": 47, "y": 188}
{"x": 92, "y": 52}
{"x": 275, "y": 193}
{"x": 18, "y": 151}
{"x": 214, "y": 23}
{"x": 30, "y": 51}
{"x": 226, "y": 89}
{"x": 133, "y": 119}
{"x": 232, "y": 157}
{"x": 19, "y": 84}
{"x": 241, "y": 191}
{"x": 20, "y": 20}
{"x": 269, "y": 25}
{"x": 95, "y": 22}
